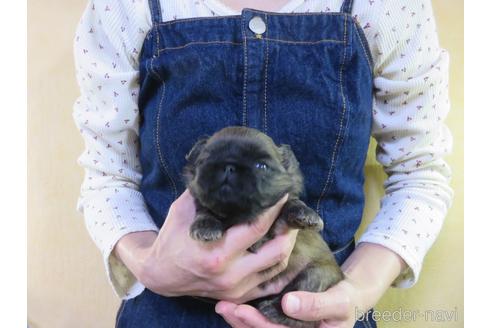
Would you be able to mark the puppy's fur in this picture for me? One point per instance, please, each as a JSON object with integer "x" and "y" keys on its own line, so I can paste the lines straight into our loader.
{"x": 234, "y": 176}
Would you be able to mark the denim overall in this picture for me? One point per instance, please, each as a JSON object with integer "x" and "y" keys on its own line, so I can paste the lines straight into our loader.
{"x": 305, "y": 79}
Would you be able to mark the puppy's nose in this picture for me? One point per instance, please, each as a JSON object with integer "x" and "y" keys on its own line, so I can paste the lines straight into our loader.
{"x": 229, "y": 169}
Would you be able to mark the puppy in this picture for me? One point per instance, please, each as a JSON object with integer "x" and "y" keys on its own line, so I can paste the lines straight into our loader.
{"x": 234, "y": 176}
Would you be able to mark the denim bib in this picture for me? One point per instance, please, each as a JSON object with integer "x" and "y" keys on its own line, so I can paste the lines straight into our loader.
{"x": 305, "y": 79}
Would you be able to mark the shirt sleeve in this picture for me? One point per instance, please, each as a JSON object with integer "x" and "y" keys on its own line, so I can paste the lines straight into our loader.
{"x": 411, "y": 104}
{"x": 106, "y": 48}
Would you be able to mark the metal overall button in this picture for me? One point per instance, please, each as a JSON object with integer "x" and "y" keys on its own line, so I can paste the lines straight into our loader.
{"x": 257, "y": 25}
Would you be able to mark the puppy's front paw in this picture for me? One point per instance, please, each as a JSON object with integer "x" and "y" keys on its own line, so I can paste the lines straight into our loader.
{"x": 308, "y": 218}
{"x": 206, "y": 229}
{"x": 299, "y": 215}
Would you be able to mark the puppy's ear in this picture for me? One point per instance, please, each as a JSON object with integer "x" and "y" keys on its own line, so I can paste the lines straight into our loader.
{"x": 289, "y": 160}
{"x": 196, "y": 150}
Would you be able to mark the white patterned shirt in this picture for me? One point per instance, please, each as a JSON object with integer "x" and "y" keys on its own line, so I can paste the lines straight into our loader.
{"x": 410, "y": 105}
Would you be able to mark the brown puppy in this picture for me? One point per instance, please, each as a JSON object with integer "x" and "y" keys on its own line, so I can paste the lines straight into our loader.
{"x": 234, "y": 176}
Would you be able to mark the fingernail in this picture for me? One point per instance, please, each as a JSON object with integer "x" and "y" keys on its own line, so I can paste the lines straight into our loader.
{"x": 293, "y": 304}
{"x": 219, "y": 308}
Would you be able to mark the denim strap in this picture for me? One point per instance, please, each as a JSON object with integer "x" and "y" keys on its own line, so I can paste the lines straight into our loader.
{"x": 347, "y": 6}
{"x": 155, "y": 11}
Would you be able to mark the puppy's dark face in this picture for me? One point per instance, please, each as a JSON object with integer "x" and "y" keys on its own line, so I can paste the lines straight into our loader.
{"x": 238, "y": 172}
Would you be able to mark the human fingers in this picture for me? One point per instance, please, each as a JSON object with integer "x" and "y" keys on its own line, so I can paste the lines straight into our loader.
{"x": 182, "y": 211}
{"x": 226, "y": 310}
{"x": 240, "y": 283}
{"x": 333, "y": 304}
{"x": 236, "y": 291}
{"x": 269, "y": 283}
{"x": 241, "y": 237}
{"x": 271, "y": 253}
{"x": 251, "y": 270}
{"x": 275, "y": 285}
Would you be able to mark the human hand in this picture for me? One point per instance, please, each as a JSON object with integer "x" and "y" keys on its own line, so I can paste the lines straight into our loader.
{"x": 369, "y": 271}
{"x": 335, "y": 307}
{"x": 174, "y": 264}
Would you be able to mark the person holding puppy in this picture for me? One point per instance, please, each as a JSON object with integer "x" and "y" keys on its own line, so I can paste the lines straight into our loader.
{"x": 320, "y": 76}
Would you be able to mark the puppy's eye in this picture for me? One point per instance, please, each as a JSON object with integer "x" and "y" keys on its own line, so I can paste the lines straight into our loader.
{"x": 261, "y": 166}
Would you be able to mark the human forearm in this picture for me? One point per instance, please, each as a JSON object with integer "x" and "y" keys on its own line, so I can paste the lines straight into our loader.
{"x": 131, "y": 250}
{"x": 370, "y": 270}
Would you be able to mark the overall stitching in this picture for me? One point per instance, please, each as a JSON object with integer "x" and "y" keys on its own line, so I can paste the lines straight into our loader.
{"x": 299, "y": 14}
{"x": 162, "y": 163}
{"x": 156, "y": 17}
{"x": 152, "y": 12}
{"x": 347, "y": 115}
{"x": 265, "y": 107}
{"x": 344, "y": 107}
{"x": 341, "y": 249}
{"x": 303, "y": 42}
{"x": 156, "y": 53}
{"x": 363, "y": 45}
{"x": 245, "y": 81}
{"x": 199, "y": 43}
{"x": 366, "y": 322}
{"x": 347, "y": 6}
{"x": 219, "y": 42}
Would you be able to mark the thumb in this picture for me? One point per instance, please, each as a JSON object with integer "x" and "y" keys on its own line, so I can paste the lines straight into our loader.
{"x": 182, "y": 211}
{"x": 333, "y": 304}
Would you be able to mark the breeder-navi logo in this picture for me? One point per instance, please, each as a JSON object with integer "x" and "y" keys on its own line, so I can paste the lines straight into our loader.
{"x": 399, "y": 315}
